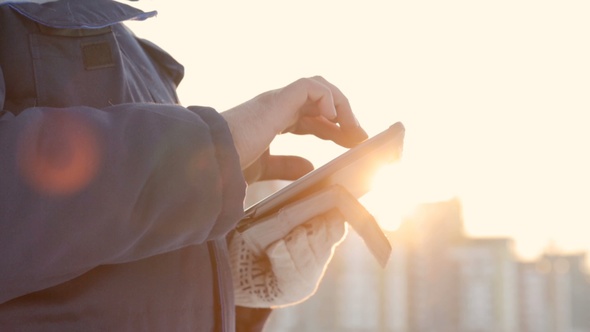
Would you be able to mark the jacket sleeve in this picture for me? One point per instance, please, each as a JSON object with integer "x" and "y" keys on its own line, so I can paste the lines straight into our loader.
{"x": 82, "y": 187}
{"x": 2, "y": 91}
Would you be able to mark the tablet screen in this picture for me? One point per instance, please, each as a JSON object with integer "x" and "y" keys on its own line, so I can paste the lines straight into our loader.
{"x": 353, "y": 170}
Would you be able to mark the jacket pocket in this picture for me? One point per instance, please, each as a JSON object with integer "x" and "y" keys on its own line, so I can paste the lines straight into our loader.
{"x": 76, "y": 67}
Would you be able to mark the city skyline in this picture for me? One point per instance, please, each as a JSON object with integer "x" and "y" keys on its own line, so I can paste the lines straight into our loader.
{"x": 440, "y": 279}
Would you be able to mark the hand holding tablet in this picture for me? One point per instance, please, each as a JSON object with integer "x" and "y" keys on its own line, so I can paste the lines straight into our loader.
{"x": 336, "y": 185}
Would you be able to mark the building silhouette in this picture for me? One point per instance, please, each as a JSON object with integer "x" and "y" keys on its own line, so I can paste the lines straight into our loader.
{"x": 441, "y": 280}
{"x": 488, "y": 291}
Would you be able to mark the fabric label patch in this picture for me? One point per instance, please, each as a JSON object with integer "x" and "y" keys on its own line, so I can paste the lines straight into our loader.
{"x": 97, "y": 55}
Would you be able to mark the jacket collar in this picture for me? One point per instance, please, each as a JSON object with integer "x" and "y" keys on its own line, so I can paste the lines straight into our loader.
{"x": 79, "y": 14}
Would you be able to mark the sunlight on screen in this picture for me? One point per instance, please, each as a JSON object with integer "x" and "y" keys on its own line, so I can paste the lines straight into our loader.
{"x": 397, "y": 189}
{"x": 385, "y": 200}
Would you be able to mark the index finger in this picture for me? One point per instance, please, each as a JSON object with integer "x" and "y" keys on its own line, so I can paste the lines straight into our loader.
{"x": 345, "y": 117}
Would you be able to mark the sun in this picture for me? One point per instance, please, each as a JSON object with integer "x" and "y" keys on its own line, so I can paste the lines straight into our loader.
{"x": 397, "y": 190}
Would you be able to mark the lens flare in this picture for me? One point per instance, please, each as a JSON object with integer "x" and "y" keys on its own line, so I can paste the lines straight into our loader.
{"x": 397, "y": 190}
{"x": 59, "y": 154}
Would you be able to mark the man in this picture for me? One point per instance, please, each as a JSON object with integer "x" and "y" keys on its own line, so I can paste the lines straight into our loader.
{"x": 116, "y": 203}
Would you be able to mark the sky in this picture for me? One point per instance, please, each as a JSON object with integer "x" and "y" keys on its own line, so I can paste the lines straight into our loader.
{"x": 493, "y": 95}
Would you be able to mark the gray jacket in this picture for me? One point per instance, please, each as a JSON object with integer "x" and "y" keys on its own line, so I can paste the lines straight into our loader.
{"x": 114, "y": 200}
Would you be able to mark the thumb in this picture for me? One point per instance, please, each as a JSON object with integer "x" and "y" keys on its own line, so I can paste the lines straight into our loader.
{"x": 285, "y": 168}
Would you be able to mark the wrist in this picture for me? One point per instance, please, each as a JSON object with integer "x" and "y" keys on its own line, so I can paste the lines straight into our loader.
{"x": 250, "y": 132}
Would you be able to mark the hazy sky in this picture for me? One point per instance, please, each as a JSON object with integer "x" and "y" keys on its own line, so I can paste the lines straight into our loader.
{"x": 493, "y": 94}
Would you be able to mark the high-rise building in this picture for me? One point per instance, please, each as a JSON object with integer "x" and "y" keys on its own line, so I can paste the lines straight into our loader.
{"x": 568, "y": 292}
{"x": 429, "y": 235}
{"x": 394, "y": 292}
{"x": 440, "y": 280}
{"x": 488, "y": 283}
{"x": 535, "y": 308}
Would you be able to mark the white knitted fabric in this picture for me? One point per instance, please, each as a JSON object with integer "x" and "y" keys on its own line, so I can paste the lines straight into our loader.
{"x": 290, "y": 269}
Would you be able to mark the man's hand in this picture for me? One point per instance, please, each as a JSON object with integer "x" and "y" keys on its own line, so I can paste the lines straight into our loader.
{"x": 289, "y": 270}
{"x": 268, "y": 272}
{"x": 269, "y": 167}
{"x": 307, "y": 106}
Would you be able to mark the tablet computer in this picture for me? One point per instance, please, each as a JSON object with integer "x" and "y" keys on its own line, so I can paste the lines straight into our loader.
{"x": 353, "y": 170}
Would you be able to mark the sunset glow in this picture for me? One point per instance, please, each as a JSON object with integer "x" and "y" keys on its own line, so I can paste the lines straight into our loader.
{"x": 493, "y": 96}
{"x": 398, "y": 189}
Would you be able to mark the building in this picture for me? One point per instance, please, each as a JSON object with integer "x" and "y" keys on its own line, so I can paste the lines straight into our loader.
{"x": 441, "y": 280}
{"x": 567, "y": 292}
{"x": 488, "y": 284}
{"x": 535, "y": 307}
{"x": 429, "y": 235}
